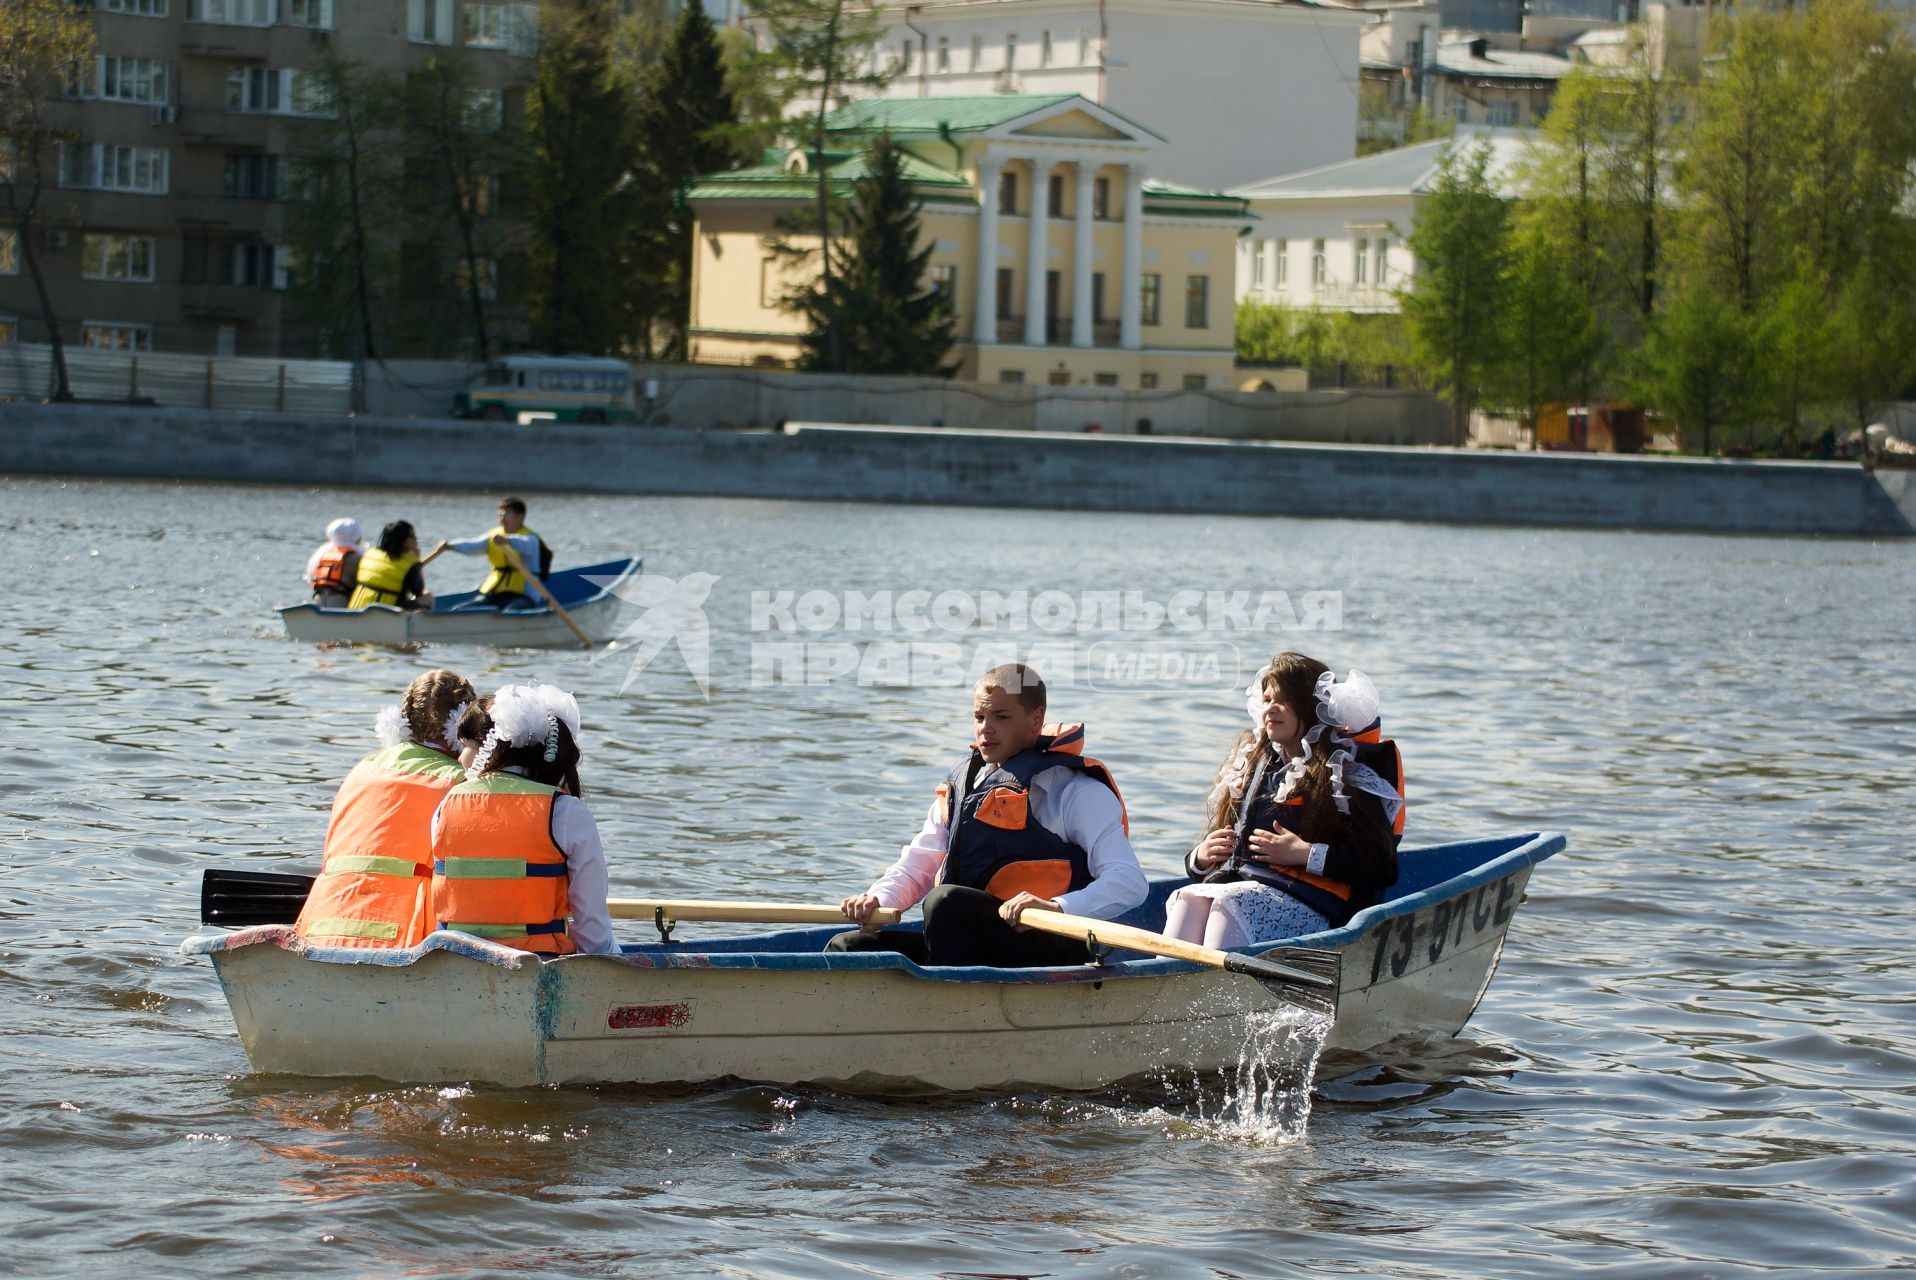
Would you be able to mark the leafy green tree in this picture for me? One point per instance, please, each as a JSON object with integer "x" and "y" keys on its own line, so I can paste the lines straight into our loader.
{"x": 583, "y": 214}
{"x": 1453, "y": 308}
{"x": 1549, "y": 337}
{"x": 881, "y": 313}
{"x": 688, "y": 125}
{"x": 1872, "y": 345}
{"x": 1792, "y": 336}
{"x": 40, "y": 40}
{"x": 1701, "y": 363}
{"x": 818, "y": 52}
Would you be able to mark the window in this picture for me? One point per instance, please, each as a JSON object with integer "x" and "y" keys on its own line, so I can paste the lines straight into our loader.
{"x": 484, "y": 271}
{"x": 1194, "y": 382}
{"x": 1084, "y": 45}
{"x": 9, "y": 253}
{"x": 252, "y": 265}
{"x": 1008, "y": 193}
{"x": 1044, "y": 49}
{"x": 232, "y": 13}
{"x": 1013, "y": 376}
{"x": 429, "y": 21}
{"x": 100, "y": 167}
{"x": 1054, "y": 194}
{"x": 1007, "y": 291}
{"x": 1150, "y": 290}
{"x": 1360, "y": 261}
{"x": 1097, "y": 297}
{"x": 1147, "y": 382}
{"x": 904, "y": 56}
{"x": 127, "y": 80}
{"x": 1282, "y": 249}
{"x": 512, "y": 27}
{"x": 944, "y": 283}
{"x": 1101, "y": 197}
{"x": 768, "y": 291}
{"x": 252, "y": 176}
{"x": 1104, "y": 379}
{"x": 105, "y": 335}
{"x": 1257, "y": 265}
{"x": 1383, "y": 260}
{"x": 944, "y": 55}
{"x": 486, "y": 110}
{"x": 143, "y": 8}
{"x": 1058, "y": 378}
{"x": 1501, "y": 113}
{"x": 1197, "y": 302}
{"x": 1317, "y": 264}
{"x": 315, "y": 14}
{"x": 116, "y": 257}
{"x": 1011, "y": 52}
{"x": 977, "y": 52}
{"x": 277, "y": 91}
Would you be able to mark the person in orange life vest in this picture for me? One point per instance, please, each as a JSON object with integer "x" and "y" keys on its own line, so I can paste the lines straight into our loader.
{"x": 372, "y": 889}
{"x": 521, "y": 811}
{"x": 1305, "y": 818}
{"x": 1026, "y": 820}
{"x": 332, "y": 571}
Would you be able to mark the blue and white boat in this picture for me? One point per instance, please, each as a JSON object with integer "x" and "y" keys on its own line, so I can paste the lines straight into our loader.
{"x": 590, "y": 594}
{"x": 777, "y": 1007}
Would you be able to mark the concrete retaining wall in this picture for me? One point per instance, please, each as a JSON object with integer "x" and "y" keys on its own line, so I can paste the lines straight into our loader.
{"x": 970, "y": 468}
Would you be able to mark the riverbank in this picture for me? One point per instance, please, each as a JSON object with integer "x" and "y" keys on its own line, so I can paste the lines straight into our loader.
{"x": 969, "y": 468}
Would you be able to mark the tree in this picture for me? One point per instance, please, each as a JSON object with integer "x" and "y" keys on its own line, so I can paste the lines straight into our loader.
{"x": 819, "y": 51}
{"x": 1872, "y": 345}
{"x": 584, "y": 148}
{"x": 882, "y": 315}
{"x": 1700, "y": 363}
{"x": 41, "y": 41}
{"x": 1549, "y": 336}
{"x": 687, "y": 125}
{"x": 1792, "y": 335}
{"x": 1453, "y": 309}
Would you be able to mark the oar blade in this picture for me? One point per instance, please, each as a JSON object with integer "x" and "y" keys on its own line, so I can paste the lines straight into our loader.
{"x": 1304, "y": 976}
{"x": 238, "y": 899}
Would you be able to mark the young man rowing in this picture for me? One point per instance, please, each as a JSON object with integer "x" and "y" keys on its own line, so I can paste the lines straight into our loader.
{"x": 1025, "y": 820}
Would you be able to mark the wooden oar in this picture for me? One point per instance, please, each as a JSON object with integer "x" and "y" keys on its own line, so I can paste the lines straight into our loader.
{"x": 513, "y": 558}
{"x": 738, "y": 912}
{"x": 1307, "y": 976}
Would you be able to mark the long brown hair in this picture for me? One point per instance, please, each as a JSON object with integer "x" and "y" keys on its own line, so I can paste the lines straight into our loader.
{"x": 429, "y": 700}
{"x": 1291, "y": 678}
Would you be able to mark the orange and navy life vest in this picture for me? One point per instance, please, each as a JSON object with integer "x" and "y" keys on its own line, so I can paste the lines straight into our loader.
{"x": 329, "y": 572}
{"x": 1335, "y": 900}
{"x": 371, "y": 890}
{"x": 995, "y": 843}
{"x": 497, "y": 873}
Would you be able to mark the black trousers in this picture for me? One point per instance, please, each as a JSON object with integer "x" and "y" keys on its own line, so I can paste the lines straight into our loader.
{"x": 962, "y": 927}
{"x": 503, "y": 599}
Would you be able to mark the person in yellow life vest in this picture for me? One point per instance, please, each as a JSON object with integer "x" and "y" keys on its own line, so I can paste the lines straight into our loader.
{"x": 1305, "y": 818}
{"x": 516, "y": 855}
{"x": 391, "y": 573}
{"x": 505, "y": 586}
{"x": 374, "y": 886}
{"x": 1026, "y": 819}
{"x": 332, "y": 571}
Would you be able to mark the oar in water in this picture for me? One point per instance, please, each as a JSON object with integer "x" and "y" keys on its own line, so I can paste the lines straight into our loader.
{"x": 235, "y": 899}
{"x": 1305, "y": 975}
{"x": 517, "y": 562}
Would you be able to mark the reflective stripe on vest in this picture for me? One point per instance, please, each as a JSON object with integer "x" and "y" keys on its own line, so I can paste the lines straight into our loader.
{"x": 497, "y": 873}
{"x": 372, "y": 886}
{"x": 329, "y": 574}
{"x": 382, "y": 578}
{"x": 504, "y": 578}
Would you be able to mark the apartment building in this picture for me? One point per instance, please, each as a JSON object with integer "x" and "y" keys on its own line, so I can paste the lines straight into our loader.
{"x": 167, "y": 205}
{"x": 1063, "y": 260}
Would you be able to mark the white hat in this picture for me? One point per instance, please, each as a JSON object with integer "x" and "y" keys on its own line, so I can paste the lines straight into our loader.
{"x": 343, "y": 532}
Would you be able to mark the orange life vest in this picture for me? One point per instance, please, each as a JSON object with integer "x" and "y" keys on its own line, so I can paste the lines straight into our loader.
{"x": 496, "y": 871}
{"x": 329, "y": 572}
{"x": 371, "y": 890}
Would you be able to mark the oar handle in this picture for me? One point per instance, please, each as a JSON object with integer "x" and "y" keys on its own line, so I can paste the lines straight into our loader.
{"x": 1131, "y": 938}
{"x": 739, "y": 912}
{"x": 514, "y": 559}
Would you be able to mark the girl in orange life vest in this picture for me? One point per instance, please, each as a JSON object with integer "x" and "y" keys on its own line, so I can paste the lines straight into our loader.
{"x": 372, "y": 889}
{"x": 1305, "y": 817}
{"x": 521, "y": 811}
{"x": 332, "y": 571}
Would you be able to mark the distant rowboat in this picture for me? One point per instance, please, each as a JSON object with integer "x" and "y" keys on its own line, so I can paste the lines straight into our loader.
{"x": 776, "y": 1007}
{"x": 589, "y": 594}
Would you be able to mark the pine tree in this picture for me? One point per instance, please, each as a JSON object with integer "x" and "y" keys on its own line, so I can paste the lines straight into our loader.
{"x": 884, "y": 318}
{"x": 687, "y": 126}
{"x": 582, "y": 212}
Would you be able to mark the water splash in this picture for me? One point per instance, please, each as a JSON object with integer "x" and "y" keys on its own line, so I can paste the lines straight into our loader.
{"x": 1265, "y": 1100}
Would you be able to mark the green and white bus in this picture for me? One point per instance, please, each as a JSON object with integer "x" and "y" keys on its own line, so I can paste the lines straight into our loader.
{"x": 535, "y": 388}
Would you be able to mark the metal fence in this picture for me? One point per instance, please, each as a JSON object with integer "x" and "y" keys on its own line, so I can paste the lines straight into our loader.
{"x": 185, "y": 382}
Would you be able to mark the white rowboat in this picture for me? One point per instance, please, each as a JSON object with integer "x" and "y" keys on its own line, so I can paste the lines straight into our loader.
{"x": 590, "y": 594}
{"x": 776, "y": 1007}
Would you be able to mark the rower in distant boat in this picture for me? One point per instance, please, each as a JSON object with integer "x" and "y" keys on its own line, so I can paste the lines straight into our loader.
{"x": 392, "y": 573}
{"x": 505, "y": 586}
{"x": 373, "y": 886}
{"x": 332, "y": 571}
{"x": 1025, "y": 820}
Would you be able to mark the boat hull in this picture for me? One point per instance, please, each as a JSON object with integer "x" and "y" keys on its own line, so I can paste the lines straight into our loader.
{"x": 589, "y": 594}
{"x": 457, "y": 1009}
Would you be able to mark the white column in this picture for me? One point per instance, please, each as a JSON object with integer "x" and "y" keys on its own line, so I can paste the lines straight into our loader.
{"x": 1081, "y": 257}
{"x": 984, "y": 317}
{"x": 1036, "y": 257}
{"x": 1130, "y": 306}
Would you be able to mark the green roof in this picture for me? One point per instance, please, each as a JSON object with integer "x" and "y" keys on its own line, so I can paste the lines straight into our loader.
{"x": 772, "y": 182}
{"x": 924, "y": 115}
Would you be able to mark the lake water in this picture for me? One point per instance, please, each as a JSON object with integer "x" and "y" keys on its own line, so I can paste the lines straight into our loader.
{"x": 1698, "y": 1058}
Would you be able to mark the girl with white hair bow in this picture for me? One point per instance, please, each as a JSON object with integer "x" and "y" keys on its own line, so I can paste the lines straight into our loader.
{"x": 1305, "y": 817}
{"x": 516, "y": 855}
{"x": 332, "y": 571}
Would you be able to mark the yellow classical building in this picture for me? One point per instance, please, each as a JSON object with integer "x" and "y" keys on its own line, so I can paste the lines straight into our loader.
{"x": 1064, "y": 263}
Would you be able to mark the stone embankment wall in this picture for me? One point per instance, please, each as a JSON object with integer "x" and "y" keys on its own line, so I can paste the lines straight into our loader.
{"x": 1016, "y": 469}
